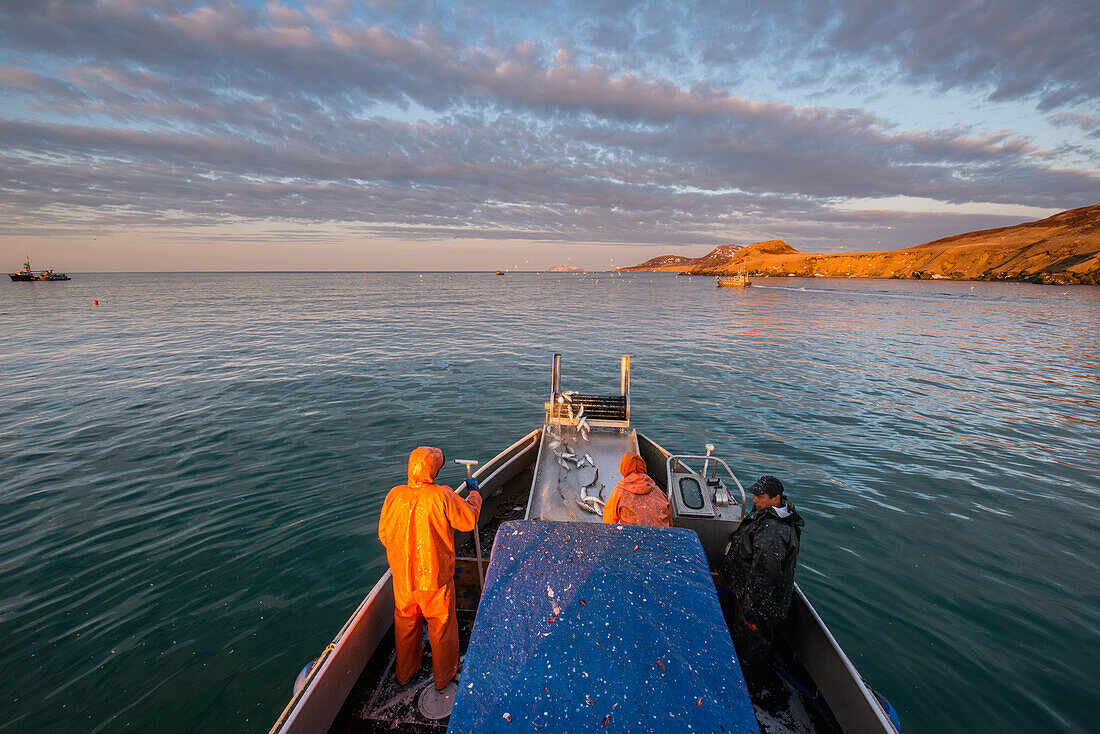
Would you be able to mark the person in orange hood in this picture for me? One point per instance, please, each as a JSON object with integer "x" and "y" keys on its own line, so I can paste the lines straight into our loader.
{"x": 636, "y": 499}
{"x": 417, "y": 527}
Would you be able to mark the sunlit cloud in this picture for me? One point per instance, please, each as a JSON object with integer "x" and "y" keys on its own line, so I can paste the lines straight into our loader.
{"x": 563, "y": 123}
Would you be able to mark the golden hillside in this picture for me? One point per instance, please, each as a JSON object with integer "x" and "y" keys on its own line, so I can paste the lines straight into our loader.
{"x": 1062, "y": 249}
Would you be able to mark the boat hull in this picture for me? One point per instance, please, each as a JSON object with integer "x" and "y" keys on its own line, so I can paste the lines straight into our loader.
{"x": 31, "y": 278}
{"x": 324, "y": 698}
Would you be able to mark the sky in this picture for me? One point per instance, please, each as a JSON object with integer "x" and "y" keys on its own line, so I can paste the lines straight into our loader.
{"x": 144, "y": 135}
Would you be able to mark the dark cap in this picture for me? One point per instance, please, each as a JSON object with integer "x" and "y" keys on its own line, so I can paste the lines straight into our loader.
{"x": 768, "y": 485}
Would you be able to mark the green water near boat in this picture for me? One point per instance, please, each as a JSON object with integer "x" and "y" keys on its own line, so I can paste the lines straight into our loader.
{"x": 191, "y": 472}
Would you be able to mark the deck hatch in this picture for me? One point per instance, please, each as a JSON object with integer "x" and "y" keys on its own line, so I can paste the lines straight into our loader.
{"x": 586, "y": 627}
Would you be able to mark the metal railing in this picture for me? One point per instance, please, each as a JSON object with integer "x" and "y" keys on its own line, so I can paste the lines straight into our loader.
{"x": 706, "y": 460}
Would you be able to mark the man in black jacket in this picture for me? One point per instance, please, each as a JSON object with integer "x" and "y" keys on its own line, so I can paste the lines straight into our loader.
{"x": 759, "y": 572}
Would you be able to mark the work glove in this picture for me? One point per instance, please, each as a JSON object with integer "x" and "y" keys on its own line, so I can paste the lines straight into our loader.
{"x": 472, "y": 484}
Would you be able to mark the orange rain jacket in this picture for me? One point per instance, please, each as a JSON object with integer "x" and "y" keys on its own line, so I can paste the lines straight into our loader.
{"x": 636, "y": 499}
{"x": 417, "y": 527}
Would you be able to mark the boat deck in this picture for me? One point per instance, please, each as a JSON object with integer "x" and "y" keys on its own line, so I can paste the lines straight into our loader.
{"x": 560, "y": 484}
{"x": 378, "y": 704}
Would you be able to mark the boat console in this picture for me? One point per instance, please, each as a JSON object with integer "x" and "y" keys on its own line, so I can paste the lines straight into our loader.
{"x": 701, "y": 500}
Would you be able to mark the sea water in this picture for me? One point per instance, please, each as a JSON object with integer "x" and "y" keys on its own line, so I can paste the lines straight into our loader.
{"x": 191, "y": 471}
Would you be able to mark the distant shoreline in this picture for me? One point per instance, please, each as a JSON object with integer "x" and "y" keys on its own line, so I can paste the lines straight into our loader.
{"x": 332, "y": 272}
{"x": 1060, "y": 250}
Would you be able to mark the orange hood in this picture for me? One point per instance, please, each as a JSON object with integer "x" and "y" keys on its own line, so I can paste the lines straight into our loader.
{"x": 634, "y": 464}
{"x": 424, "y": 463}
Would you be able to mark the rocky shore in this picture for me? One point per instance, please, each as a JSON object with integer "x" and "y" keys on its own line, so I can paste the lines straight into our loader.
{"x": 1063, "y": 249}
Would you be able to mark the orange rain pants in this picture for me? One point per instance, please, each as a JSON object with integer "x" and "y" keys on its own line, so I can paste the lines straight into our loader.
{"x": 636, "y": 499}
{"x": 417, "y": 527}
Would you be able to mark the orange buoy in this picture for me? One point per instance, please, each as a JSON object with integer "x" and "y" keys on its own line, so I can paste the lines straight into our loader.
{"x": 95, "y": 303}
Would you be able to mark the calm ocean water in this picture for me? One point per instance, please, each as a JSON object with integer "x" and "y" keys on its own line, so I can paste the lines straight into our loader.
{"x": 191, "y": 472}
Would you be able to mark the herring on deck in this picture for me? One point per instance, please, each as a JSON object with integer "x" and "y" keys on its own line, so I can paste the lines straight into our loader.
{"x": 584, "y": 626}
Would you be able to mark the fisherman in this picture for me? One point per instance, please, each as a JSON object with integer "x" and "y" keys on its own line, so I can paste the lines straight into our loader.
{"x": 417, "y": 527}
{"x": 636, "y": 499}
{"x": 759, "y": 570}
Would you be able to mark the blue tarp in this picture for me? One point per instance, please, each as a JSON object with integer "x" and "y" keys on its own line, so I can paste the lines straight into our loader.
{"x": 586, "y": 627}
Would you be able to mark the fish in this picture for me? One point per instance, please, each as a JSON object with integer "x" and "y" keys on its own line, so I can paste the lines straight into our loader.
{"x": 589, "y": 459}
{"x": 590, "y": 503}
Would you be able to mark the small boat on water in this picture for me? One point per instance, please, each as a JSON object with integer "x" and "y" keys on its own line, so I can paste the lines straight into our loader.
{"x": 500, "y": 272}
{"x": 580, "y": 625}
{"x": 733, "y": 281}
{"x": 26, "y": 274}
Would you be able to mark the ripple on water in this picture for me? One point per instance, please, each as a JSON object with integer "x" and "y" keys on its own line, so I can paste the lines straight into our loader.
{"x": 192, "y": 473}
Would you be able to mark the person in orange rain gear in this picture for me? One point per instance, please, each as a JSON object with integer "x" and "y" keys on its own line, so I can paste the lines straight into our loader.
{"x": 636, "y": 499}
{"x": 417, "y": 527}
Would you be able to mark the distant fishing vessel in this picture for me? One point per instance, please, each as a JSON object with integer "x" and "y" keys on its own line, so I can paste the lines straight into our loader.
{"x": 26, "y": 274}
{"x": 500, "y": 272}
{"x": 576, "y": 624}
{"x": 733, "y": 281}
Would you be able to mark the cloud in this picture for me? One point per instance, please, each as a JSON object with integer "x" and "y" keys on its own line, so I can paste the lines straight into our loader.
{"x": 1007, "y": 49}
{"x": 189, "y": 115}
{"x": 1090, "y": 123}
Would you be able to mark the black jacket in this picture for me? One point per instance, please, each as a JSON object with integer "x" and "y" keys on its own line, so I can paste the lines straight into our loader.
{"x": 759, "y": 565}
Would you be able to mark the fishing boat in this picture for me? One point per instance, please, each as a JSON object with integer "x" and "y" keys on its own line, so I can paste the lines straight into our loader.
{"x": 26, "y": 274}
{"x": 568, "y": 624}
{"x": 500, "y": 272}
{"x": 733, "y": 281}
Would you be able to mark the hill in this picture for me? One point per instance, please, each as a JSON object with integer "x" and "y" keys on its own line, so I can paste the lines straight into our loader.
{"x": 1062, "y": 249}
{"x": 717, "y": 257}
{"x": 662, "y": 264}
